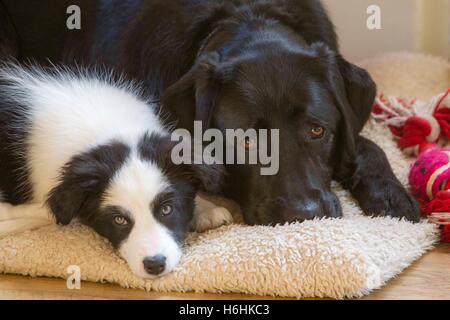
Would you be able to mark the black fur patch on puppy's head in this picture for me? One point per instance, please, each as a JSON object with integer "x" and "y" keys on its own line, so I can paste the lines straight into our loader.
{"x": 83, "y": 180}
{"x": 157, "y": 148}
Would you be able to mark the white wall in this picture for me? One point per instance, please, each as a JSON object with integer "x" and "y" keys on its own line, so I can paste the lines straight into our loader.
{"x": 433, "y": 26}
{"x": 412, "y": 25}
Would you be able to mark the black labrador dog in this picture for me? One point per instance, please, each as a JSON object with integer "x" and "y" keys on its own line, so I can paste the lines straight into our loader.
{"x": 238, "y": 64}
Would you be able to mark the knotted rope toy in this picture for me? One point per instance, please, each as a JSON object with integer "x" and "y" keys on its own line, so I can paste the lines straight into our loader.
{"x": 415, "y": 124}
{"x": 421, "y": 129}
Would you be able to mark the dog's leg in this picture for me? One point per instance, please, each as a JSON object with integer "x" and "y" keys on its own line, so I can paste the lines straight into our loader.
{"x": 209, "y": 216}
{"x": 29, "y": 210}
{"x": 375, "y": 186}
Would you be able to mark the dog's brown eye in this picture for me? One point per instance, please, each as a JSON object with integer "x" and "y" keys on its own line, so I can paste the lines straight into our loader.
{"x": 120, "y": 220}
{"x": 166, "y": 210}
{"x": 249, "y": 143}
{"x": 317, "y": 131}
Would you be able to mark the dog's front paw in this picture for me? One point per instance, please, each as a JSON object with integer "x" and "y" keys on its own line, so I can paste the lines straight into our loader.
{"x": 209, "y": 216}
{"x": 387, "y": 197}
{"x": 214, "y": 218}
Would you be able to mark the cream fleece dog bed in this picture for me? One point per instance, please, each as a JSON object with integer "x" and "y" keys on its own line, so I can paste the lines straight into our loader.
{"x": 339, "y": 258}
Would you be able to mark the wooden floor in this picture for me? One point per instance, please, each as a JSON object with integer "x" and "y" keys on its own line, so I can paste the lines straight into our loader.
{"x": 428, "y": 278}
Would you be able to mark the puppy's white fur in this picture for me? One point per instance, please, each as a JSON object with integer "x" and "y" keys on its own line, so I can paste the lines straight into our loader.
{"x": 133, "y": 188}
{"x": 69, "y": 114}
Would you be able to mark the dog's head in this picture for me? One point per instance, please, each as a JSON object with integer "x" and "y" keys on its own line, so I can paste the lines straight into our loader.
{"x": 135, "y": 197}
{"x": 317, "y": 100}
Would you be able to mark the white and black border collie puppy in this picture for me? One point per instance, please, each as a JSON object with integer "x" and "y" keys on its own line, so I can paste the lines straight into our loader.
{"x": 75, "y": 145}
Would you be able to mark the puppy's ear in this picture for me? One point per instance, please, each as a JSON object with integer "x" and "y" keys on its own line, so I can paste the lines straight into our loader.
{"x": 66, "y": 200}
{"x": 193, "y": 97}
{"x": 83, "y": 180}
{"x": 355, "y": 93}
{"x": 209, "y": 177}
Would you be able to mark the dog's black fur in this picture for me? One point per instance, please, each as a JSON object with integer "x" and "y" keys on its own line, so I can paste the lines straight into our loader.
{"x": 247, "y": 64}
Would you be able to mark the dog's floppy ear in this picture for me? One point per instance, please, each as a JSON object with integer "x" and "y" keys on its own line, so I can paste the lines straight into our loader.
{"x": 353, "y": 87}
{"x": 360, "y": 91}
{"x": 355, "y": 93}
{"x": 192, "y": 98}
{"x": 82, "y": 181}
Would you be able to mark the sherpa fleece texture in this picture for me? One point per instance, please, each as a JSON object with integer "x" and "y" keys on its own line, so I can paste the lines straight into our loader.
{"x": 339, "y": 258}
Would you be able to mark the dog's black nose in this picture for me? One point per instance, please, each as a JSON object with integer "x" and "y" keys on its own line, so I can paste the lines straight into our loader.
{"x": 296, "y": 210}
{"x": 301, "y": 211}
{"x": 155, "y": 265}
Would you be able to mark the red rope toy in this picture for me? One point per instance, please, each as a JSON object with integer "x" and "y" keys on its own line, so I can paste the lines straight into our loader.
{"x": 421, "y": 129}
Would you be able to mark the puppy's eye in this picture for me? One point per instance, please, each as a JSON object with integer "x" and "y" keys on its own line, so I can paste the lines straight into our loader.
{"x": 249, "y": 143}
{"x": 317, "y": 132}
{"x": 120, "y": 220}
{"x": 166, "y": 210}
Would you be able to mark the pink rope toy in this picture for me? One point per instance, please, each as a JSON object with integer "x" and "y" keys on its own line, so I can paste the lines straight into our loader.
{"x": 421, "y": 129}
{"x": 415, "y": 124}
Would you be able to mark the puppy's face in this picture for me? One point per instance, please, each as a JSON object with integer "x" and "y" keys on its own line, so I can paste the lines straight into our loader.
{"x": 133, "y": 196}
{"x": 145, "y": 215}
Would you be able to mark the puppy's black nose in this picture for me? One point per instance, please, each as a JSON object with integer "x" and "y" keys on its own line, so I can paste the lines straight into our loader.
{"x": 155, "y": 265}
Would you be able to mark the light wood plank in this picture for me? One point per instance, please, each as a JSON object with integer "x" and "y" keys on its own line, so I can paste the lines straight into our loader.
{"x": 428, "y": 278}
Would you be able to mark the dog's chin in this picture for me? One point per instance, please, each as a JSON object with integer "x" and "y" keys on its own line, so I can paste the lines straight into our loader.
{"x": 255, "y": 216}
